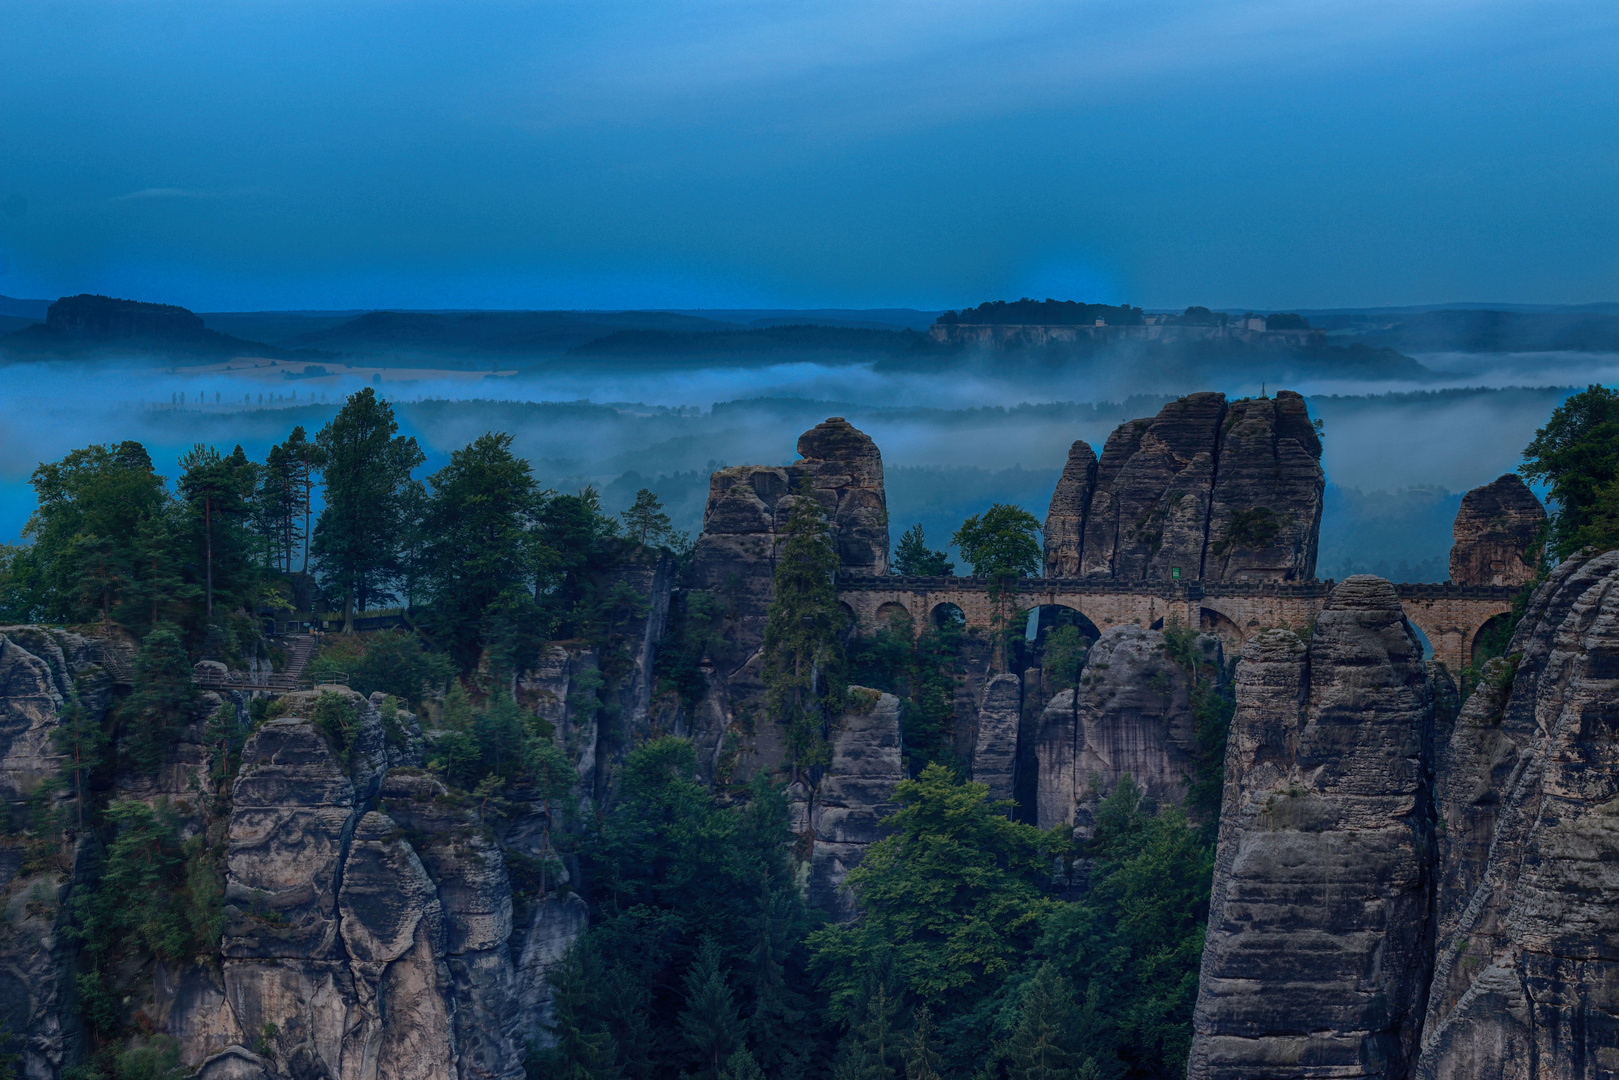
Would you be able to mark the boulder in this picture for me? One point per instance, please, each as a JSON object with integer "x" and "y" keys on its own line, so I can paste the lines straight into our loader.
{"x": 1497, "y": 534}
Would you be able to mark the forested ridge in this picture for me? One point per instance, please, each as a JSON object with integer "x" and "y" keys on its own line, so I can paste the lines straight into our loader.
{"x": 984, "y": 947}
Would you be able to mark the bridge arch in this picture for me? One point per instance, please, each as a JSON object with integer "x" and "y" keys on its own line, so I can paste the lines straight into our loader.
{"x": 1496, "y": 627}
{"x": 893, "y": 611}
{"x": 946, "y": 613}
{"x": 1422, "y": 639}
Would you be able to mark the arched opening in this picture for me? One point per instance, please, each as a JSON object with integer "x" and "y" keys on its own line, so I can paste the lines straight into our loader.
{"x": 1057, "y": 638}
{"x": 893, "y": 613}
{"x": 1427, "y": 646}
{"x": 848, "y": 615}
{"x": 947, "y": 614}
{"x": 1492, "y": 638}
{"x": 1230, "y": 634}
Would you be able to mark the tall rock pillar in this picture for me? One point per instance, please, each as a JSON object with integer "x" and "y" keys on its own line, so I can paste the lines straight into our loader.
{"x": 1497, "y": 530}
{"x": 1070, "y": 503}
{"x": 1318, "y": 947}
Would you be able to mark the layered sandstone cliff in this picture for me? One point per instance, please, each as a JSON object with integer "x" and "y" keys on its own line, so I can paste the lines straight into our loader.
{"x": 1206, "y": 490}
{"x": 734, "y": 564}
{"x": 1131, "y": 715}
{"x": 1526, "y": 980}
{"x": 1397, "y": 894}
{"x": 1497, "y": 534}
{"x": 1318, "y": 954}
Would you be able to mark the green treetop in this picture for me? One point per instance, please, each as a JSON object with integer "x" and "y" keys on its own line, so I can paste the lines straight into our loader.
{"x": 956, "y": 892}
{"x": 645, "y": 522}
{"x": 913, "y": 558}
{"x": 367, "y": 466}
{"x": 803, "y": 639}
{"x": 1004, "y": 542}
{"x": 1577, "y": 455}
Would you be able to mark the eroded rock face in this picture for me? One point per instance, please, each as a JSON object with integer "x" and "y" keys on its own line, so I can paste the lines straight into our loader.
{"x": 1527, "y": 942}
{"x": 1130, "y": 715}
{"x": 995, "y": 750}
{"x": 1216, "y": 491}
{"x": 1496, "y": 531}
{"x": 42, "y": 670}
{"x": 368, "y": 953}
{"x": 1265, "y": 518}
{"x": 1318, "y": 950}
{"x": 734, "y": 563}
{"x": 854, "y": 795}
{"x": 1070, "y": 503}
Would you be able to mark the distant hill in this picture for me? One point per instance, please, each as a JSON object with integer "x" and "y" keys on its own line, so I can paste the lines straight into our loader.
{"x": 756, "y": 343}
{"x": 92, "y": 324}
{"x": 1484, "y": 331}
{"x": 11, "y": 307}
{"x": 507, "y": 333}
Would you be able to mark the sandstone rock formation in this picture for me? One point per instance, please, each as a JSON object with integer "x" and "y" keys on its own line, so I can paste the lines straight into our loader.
{"x": 1496, "y": 532}
{"x": 1318, "y": 955}
{"x": 42, "y": 671}
{"x": 1130, "y": 715}
{"x": 847, "y": 807}
{"x": 357, "y": 942}
{"x": 1217, "y": 491}
{"x": 1070, "y": 504}
{"x": 734, "y": 559}
{"x": 1526, "y": 980}
{"x": 995, "y": 748}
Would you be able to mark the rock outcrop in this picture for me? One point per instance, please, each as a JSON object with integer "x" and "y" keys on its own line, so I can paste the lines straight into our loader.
{"x": 357, "y": 942}
{"x": 1070, "y": 505}
{"x": 1318, "y": 949}
{"x": 1497, "y": 530}
{"x": 1205, "y": 490}
{"x": 855, "y": 794}
{"x": 43, "y": 671}
{"x": 734, "y": 561}
{"x": 1526, "y": 980}
{"x": 1131, "y": 715}
{"x": 995, "y": 746}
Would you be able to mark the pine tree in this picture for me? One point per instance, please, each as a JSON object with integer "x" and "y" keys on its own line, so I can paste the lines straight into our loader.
{"x": 913, "y": 557}
{"x": 645, "y": 520}
{"x": 873, "y": 1048}
{"x": 367, "y": 466}
{"x": 710, "y": 1022}
{"x": 922, "y": 1058}
{"x": 1043, "y": 1045}
{"x": 305, "y": 460}
{"x": 581, "y": 1049}
{"x": 162, "y": 700}
{"x": 742, "y": 1066}
{"x": 81, "y": 742}
{"x": 803, "y": 639}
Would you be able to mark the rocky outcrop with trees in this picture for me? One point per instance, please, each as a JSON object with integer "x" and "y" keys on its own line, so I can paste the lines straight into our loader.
{"x": 605, "y": 806}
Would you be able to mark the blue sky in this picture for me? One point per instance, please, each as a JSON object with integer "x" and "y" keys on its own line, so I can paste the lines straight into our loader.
{"x": 836, "y": 153}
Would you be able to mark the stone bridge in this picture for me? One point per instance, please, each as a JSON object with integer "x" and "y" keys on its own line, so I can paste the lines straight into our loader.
{"x": 1449, "y": 616}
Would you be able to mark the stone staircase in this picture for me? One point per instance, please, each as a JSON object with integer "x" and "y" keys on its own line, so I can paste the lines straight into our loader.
{"x": 300, "y": 648}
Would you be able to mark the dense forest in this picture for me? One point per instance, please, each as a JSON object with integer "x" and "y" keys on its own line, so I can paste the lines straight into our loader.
{"x": 984, "y": 947}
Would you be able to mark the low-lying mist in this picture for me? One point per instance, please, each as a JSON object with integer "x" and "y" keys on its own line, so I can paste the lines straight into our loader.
{"x": 1397, "y": 456}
